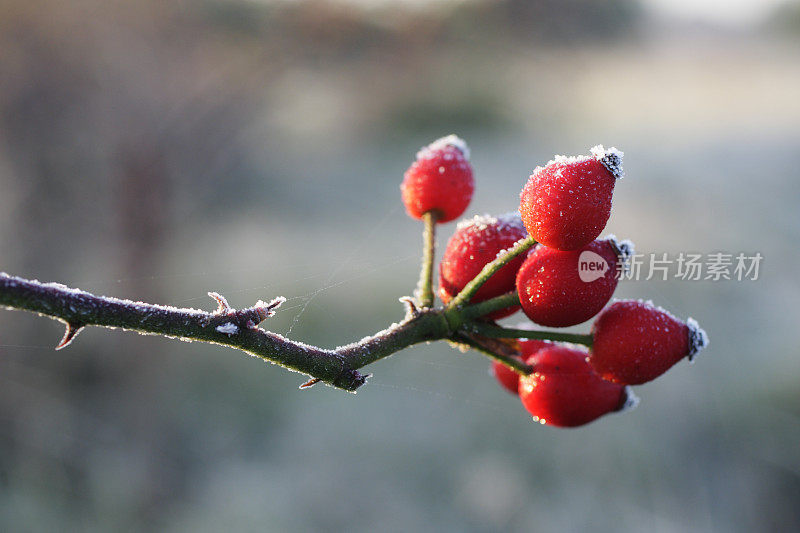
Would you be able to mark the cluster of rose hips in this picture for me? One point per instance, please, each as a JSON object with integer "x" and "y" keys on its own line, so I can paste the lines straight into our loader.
{"x": 564, "y": 206}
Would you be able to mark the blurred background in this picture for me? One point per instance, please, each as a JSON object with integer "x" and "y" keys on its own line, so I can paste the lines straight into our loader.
{"x": 158, "y": 150}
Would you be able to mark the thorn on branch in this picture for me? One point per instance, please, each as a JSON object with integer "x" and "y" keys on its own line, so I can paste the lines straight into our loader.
{"x": 310, "y": 383}
{"x": 249, "y": 318}
{"x": 253, "y": 316}
{"x": 351, "y": 380}
{"x": 70, "y": 333}
{"x": 223, "y": 306}
{"x": 410, "y": 306}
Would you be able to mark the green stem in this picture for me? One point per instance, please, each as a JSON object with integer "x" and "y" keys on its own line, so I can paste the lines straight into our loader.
{"x": 488, "y": 271}
{"x": 512, "y": 362}
{"x": 485, "y": 307}
{"x": 491, "y": 330}
{"x": 425, "y": 286}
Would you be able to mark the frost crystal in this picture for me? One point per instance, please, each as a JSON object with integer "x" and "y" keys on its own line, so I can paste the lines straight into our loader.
{"x": 698, "y": 338}
{"x": 478, "y": 221}
{"x": 506, "y": 221}
{"x": 611, "y": 159}
{"x": 512, "y": 218}
{"x": 439, "y": 144}
{"x": 229, "y": 328}
{"x": 658, "y": 308}
{"x": 568, "y": 159}
{"x": 561, "y": 159}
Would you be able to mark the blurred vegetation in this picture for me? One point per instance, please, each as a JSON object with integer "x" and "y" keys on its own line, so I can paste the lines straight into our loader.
{"x": 785, "y": 19}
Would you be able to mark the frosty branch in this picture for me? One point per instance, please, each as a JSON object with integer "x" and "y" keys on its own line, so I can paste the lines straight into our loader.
{"x": 240, "y": 329}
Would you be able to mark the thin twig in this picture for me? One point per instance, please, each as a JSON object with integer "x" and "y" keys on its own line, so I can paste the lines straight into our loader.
{"x": 496, "y": 350}
{"x": 509, "y": 299}
{"x": 425, "y": 286}
{"x": 488, "y": 271}
{"x": 492, "y": 330}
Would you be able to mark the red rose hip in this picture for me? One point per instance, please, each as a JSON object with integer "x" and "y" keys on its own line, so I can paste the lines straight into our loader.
{"x": 635, "y": 342}
{"x": 439, "y": 180}
{"x": 566, "y": 204}
{"x": 564, "y": 391}
{"x": 508, "y": 378}
{"x": 475, "y": 243}
{"x": 563, "y": 288}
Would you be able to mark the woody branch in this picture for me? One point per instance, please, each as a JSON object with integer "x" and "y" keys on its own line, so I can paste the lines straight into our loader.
{"x": 239, "y": 329}
{"x": 224, "y": 326}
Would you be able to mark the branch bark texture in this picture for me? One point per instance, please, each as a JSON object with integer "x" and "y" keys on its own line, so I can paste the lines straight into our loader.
{"x": 239, "y": 329}
{"x": 225, "y": 326}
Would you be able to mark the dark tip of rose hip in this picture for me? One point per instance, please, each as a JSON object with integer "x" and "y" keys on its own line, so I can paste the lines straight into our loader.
{"x": 630, "y": 402}
{"x": 624, "y": 249}
{"x": 611, "y": 159}
{"x": 698, "y": 338}
{"x": 439, "y": 144}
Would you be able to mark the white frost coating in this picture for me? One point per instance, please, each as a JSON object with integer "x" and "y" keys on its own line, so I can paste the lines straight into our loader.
{"x": 568, "y": 159}
{"x": 481, "y": 222}
{"x": 273, "y": 304}
{"x": 360, "y": 343}
{"x": 512, "y": 218}
{"x": 304, "y": 346}
{"x": 229, "y": 328}
{"x": 625, "y": 250}
{"x": 631, "y": 400}
{"x": 503, "y": 253}
{"x": 478, "y": 221}
{"x": 611, "y": 159}
{"x": 222, "y": 304}
{"x": 650, "y": 304}
{"x": 450, "y": 140}
{"x": 139, "y": 306}
{"x": 698, "y": 338}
